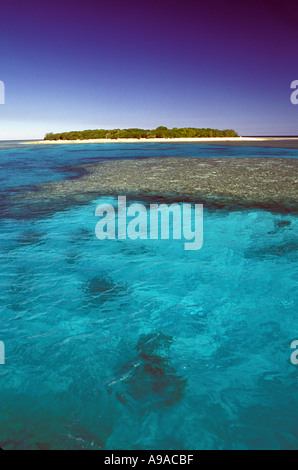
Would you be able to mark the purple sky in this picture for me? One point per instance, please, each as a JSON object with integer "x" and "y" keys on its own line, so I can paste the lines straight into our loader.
{"x": 74, "y": 65}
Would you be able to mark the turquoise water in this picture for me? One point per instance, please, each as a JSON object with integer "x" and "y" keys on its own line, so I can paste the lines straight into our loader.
{"x": 141, "y": 344}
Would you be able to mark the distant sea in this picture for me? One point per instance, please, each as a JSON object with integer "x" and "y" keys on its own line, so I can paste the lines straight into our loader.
{"x": 140, "y": 344}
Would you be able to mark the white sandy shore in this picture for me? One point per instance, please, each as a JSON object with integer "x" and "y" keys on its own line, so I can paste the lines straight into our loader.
{"x": 185, "y": 139}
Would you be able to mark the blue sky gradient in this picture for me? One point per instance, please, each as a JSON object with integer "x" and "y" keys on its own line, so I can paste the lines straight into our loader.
{"x": 98, "y": 64}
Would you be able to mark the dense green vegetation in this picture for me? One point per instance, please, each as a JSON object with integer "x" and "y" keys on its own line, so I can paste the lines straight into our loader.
{"x": 159, "y": 132}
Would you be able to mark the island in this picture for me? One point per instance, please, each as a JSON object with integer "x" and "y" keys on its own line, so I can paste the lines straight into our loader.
{"x": 160, "y": 132}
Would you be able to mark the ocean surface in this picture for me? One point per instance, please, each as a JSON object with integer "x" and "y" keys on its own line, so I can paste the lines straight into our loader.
{"x": 139, "y": 344}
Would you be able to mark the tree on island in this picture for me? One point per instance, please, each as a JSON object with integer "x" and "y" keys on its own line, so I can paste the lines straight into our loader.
{"x": 135, "y": 133}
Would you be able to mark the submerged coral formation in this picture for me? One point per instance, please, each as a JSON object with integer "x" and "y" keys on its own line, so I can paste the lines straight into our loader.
{"x": 269, "y": 183}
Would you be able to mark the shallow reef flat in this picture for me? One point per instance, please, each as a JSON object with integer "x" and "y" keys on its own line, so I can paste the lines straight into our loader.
{"x": 268, "y": 183}
{"x": 274, "y": 142}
